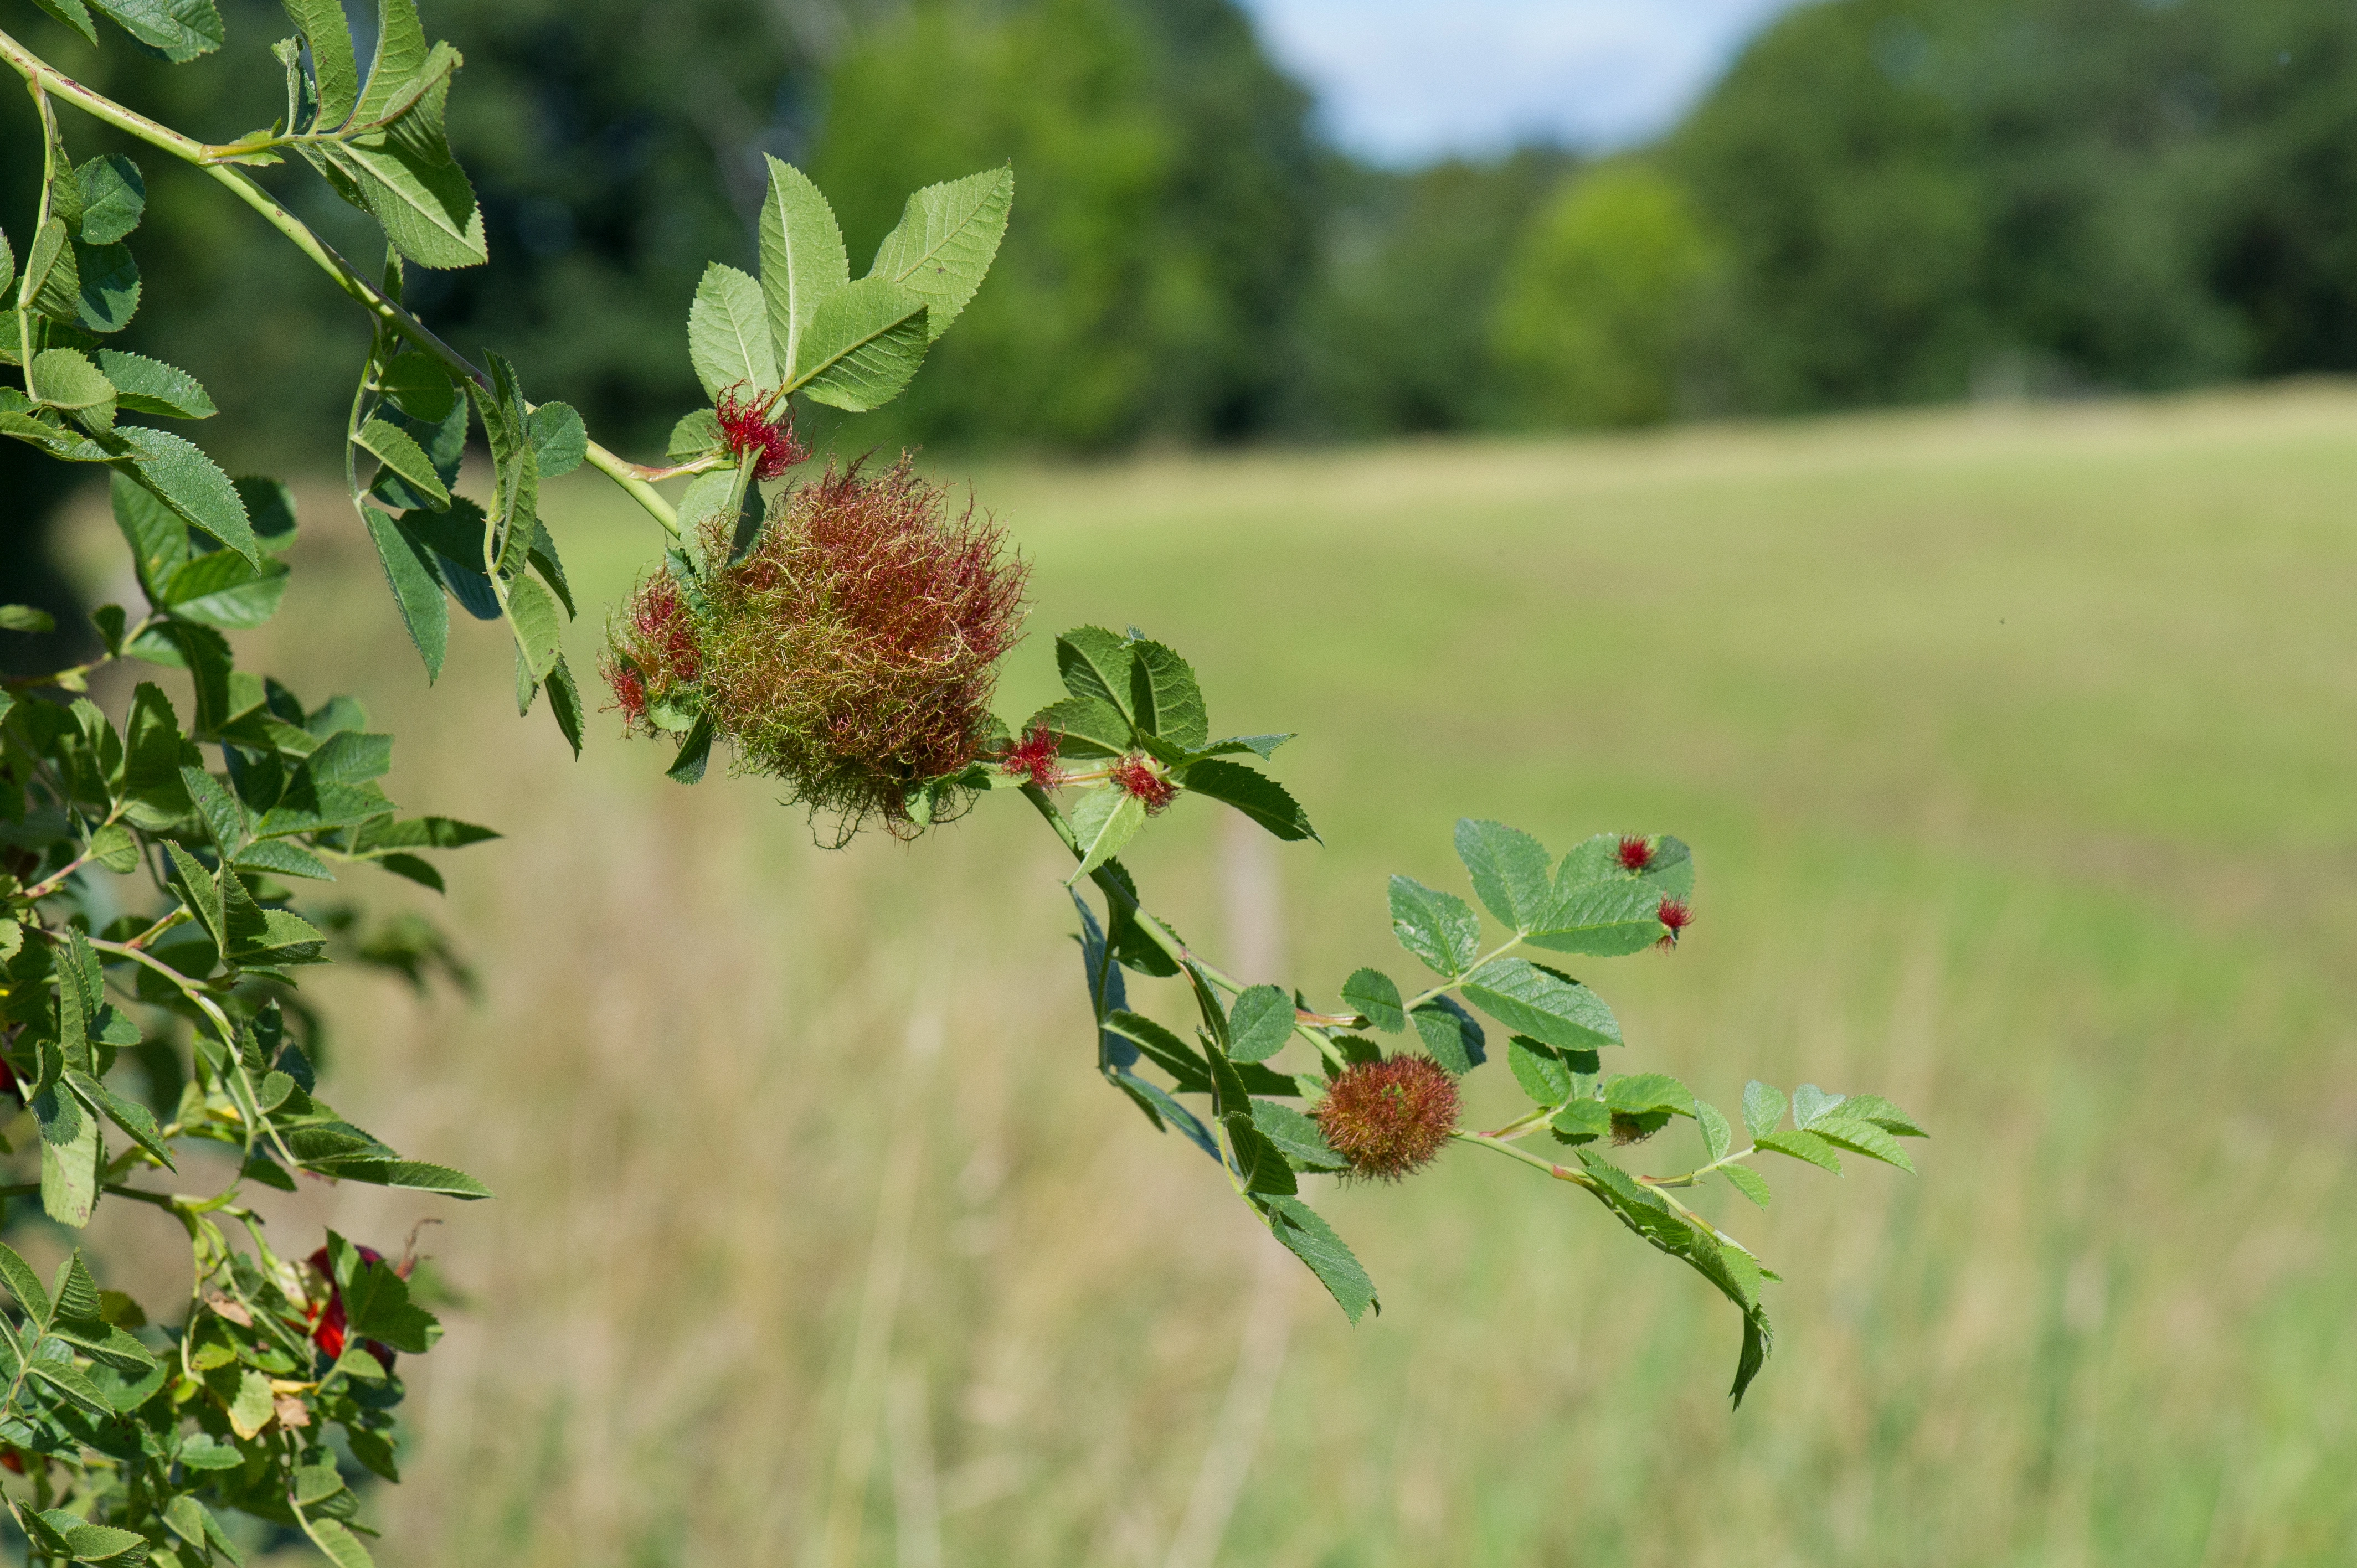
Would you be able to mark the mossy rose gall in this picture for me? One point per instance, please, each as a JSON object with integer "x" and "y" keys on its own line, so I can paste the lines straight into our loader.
{"x": 1391, "y": 1118}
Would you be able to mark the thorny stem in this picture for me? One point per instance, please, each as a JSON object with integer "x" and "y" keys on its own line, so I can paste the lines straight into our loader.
{"x": 45, "y": 79}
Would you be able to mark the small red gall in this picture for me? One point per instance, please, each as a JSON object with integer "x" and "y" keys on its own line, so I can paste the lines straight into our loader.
{"x": 1137, "y": 776}
{"x": 1636, "y": 852}
{"x": 750, "y": 431}
{"x": 1035, "y": 757}
{"x": 1674, "y": 916}
{"x": 1391, "y": 1118}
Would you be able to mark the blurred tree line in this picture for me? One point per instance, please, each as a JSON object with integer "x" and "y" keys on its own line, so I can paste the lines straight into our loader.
{"x": 1884, "y": 200}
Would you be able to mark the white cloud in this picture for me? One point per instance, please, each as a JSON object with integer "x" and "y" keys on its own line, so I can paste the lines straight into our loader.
{"x": 1401, "y": 80}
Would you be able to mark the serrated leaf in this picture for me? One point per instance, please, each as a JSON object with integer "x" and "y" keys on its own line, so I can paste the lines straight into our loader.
{"x": 947, "y": 239}
{"x": 697, "y": 435}
{"x": 107, "y": 287}
{"x": 728, "y": 335}
{"x": 1435, "y": 927}
{"x": 694, "y": 752}
{"x": 1164, "y": 696}
{"x": 1259, "y": 1024}
{"x": 1862, "y": 1137}
{"x": 1802, "y": 1145}
{"x": 1296, "y": 1137}
{"x": 416, "y": 1174}
{"x": 376, "y": 1301}
{"x": 1639, "y": 1093}
{"x": 1095, "y": 724}
{"x": 1763, "y": 1107}
{"x": 426, "y": 208}
{"x": 539, "y": 624}
{"x": 1451, "y": 1033}
{"x": 414, "y": 382}
{"x": 335, "y": 71}
{"x": 1882, "y": 1113}
{"x": 74, "y": 15}
{"x": 179, "y": 30}
{"x": 25, "y": 618}
{"x": 75, "y": 1384}
{"x": 113, "y": 199}
{"x": 188, "y": 482}
{"x": 863, "y": 345}
{"x": 560, "y": 441}
{"x": 341, "y": 1546}
{"x": 129, "y": 1115}
{"x": 1717, "y": 1136}
{"x": 1256, "y": 795}
{"x": 1748, "y": 1182}
{"x": 1173, "y": 1056}
{"x": 1510, "y": 870}
{"x": 51, "y": 277}
{"x": 220, "y": 589}
{"x": 280, "y": 857}
{"x": 142, "y": 385}
{"x": 1307, "y": 1235}
{"x": 1541, "y": 1072}
{"x": 395, "y": 450}
{"x": 416, "y": 593}
{"x": 1811, "y": 1105}
{"x": 1599, "y": 921}
{"x": 1542, "y": 1004}
{"x": 1370, "y": 994}
{"x": 802, "y": 265}
{"x": 66, "y": 377}
{"x": 26, "y": 1286}
{"x": 1103, "y": 821}
{"x": 70, "y": 1171}
{"x": 1094, "y": 663}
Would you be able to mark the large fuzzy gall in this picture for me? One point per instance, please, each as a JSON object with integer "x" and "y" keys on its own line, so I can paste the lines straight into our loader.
{"x": 852, "y": 652}
{"x": 1389, "y": 1119}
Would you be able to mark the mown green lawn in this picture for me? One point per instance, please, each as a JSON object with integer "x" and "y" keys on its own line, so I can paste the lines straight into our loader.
{"x": 2018, "y": 752}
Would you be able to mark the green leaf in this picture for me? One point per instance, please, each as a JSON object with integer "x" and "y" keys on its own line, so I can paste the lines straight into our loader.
{"x": 947, "y": 239}
{"x": 179, "y": 30}
{"x": 395, "y": 450}
{"x": 728, "y": 335}
{"x": 416, "y": 384}
{"x": 1307, "y": 1236}
{"x": 188, "y": 482}
{"x": 1717, "y": 1136}
{"x": 1862, "y": 1137}
{"x": 25, "y": 618}
{"x": 202, "y": 1450}
{"x": 515, "y": 464}
{"x": 1103, "y": 821}
{"x": 376, "y": 1301}
{"x": 1095, "y": 724}
{"x": 342, "y": 1547}
{"x": 65, "y": 377}
{"x": 1435, "y": 927}
{"x": 113, "y": 198}
{"x": 1763, "y": 1107}
{"x": 129, "y": 1115}
{"x": 1173, "y": 1056}
{"x": 156, "y": 534}
{"x": 1748, "y": 1182}
{"x": 565, "y": 703}
{"x": 1094, "y": 663}
{"x": 1540, "y": 1069}
{"x": 1370, "y": 994}
{"x": 1639, "y": 1093}
{"x": 1263, "y": 745}
{"x": 1599, "y": 921}
{"x": 1669, "y": 873}
{"x": 74, "y": 15}
{"x": 539, "y": 624}
{"x": 1882, "y": 1113}
{"x": 1542, "y": 1004}
{"x": 802, "y": 265}
{"x": 1296, "y": 1137}
{"x": 427, "y": 210}
{"x": 1256, "y": 795}
{"x": 107, "y": 288}
{"x": 1801, "y": 1146}
{"x": 75, "y": 1385}
{"x": 693, "y": 752}
{"x": 219, "y": 589}
{"x": 142, "y": 385}
{"x": 1259, "y": 1024}
{"x": 26, "y": 1286}
{"x": 864, "y": 343}
{"x": 559, "y": 440}
{"x": 335, "y": 73}
{"x": 417, "y": 592}
{"x": 401, "y": 56}
{"x": 1451, "y": 1033}
{"x": 1165, "y": 697}
{"x": 282, "y": 858}
{"x": 1758, "y": 1340}
{"x": 1811, "y": 1105}
{"x": 697, "y": 435}
{"x": 1510, "y": 870}
{"x": 51, "y": 276}
{"x": 69, "y": 1170}
{"x": 414, "y": 1175}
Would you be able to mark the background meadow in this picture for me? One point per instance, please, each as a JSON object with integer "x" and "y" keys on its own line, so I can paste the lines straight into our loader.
{"x": 2014, "y": 744}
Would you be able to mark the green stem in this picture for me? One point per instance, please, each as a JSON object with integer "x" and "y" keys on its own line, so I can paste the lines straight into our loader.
{"x": 1694, "y": 1177}
{"x": 26, "y": 287}
{"x": 1560, "y": 1173}
{"x": 1429, "y": 992}
{"x": 46, "y": 79}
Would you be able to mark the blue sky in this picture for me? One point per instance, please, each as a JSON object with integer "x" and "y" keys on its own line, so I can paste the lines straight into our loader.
{"x": 1403, "y": 80}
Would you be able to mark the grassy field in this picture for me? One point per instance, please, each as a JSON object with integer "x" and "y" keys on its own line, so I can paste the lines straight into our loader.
{"x": 2018, "y": 753}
